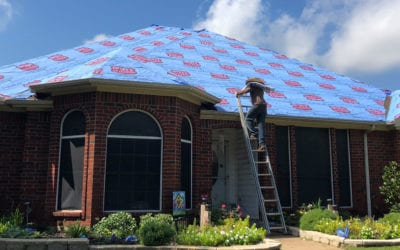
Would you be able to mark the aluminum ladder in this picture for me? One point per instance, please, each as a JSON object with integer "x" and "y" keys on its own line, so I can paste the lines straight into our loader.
{"x": 267, "y": 192}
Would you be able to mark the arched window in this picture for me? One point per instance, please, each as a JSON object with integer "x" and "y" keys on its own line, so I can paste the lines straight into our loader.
{"x": 186, "y": 161}
{"x": 133, "y": 166}
{"x": 69, "y": 192}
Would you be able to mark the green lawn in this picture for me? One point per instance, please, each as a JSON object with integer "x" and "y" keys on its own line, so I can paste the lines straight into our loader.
{"x": 374, "y": 248}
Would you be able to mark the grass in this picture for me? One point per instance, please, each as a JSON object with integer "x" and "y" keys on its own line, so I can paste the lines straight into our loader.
{"x": 375, "y": 248}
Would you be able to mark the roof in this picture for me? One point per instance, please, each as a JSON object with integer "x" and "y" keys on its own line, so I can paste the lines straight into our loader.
{"x": 213, "y": 63}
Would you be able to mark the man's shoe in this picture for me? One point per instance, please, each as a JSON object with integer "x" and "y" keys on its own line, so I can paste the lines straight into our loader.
{"x": 261, "y": 147}
{"x": 253, "y": 137}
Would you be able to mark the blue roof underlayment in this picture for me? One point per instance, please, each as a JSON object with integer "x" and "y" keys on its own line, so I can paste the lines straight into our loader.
{"x": 211, "y": 62}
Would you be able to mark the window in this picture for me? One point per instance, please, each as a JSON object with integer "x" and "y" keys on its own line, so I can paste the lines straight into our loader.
{"x": 283, "y": 168}
{"x": 313, "y": 165}
{"x": 69, "y": 193}
{"x": 186, "y": 161}
{"x": 343, "y": 164}
{"x": 133, "y": 165}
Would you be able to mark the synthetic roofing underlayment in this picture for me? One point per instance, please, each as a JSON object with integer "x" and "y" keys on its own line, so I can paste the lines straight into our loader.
{"x": 210, "y": 62}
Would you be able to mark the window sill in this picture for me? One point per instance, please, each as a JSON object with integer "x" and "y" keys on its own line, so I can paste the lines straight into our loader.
{"x": 68, "y": 213}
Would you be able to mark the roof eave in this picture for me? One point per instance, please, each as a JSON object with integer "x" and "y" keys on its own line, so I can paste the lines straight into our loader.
{"x": 23, "y": 105}
{"x": 185, "y": 92}
{"x": 302, "y": 121}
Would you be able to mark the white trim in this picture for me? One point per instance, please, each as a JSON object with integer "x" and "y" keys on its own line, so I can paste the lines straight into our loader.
{"x": 135, "y": 137}
{"x": 72, "y": 137}
{"x": 191, "y": 159}
{"x": 331, "y": 166}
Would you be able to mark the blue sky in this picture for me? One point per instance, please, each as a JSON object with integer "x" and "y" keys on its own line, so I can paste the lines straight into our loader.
{"x": 357, "y": 38}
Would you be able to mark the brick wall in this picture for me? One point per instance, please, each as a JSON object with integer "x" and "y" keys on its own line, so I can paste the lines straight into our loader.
{"x": 12, "y": 127}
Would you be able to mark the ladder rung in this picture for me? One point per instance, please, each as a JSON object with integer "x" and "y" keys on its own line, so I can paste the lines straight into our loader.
{"x": 277, "y": 228}
{"x": 267, "y": 187}
{"x": 261, "y": 162}
{"x": 271, "y": 200}
{"x": 264, "y": 174}
{"x": 273, "y": 214}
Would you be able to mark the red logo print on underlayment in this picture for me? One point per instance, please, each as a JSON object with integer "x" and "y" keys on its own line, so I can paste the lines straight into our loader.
{"x": 237, "y": 46}
{"x": 223, "y": 102}
{"x": 306, "y": 67}
{"x": 280, "y": 56}
{"x": 35, "y": 82}
{"x": 128, "y": 37}
{"x": 220, "y": 76}
{"x": 58, "y": 58}
{"x": 295, "y": 73}
{"x": 98, "y": 61}
{"x": 172, "y": 38}
{"x": 157, "y": 43}
{"x": 85, "y": 50}
{"x": 244, "y": 62}
{"x": 28, "y": 67}
{"x": 185, "y": 33}
{"x": 144, "y": 59}
{"x": 1, "y": 77}
{"x": 263, "y": 71}
{"x": 210, "y": 58}
{"x": 204, "y": 35}
{"x": 326, "y": 86}
{"x": 275, "y": 94}
{"x": 174, "y": 54}
{"x": 313, "y": 97}
{"x": 376, "y": 112}
{"x": 107, "y": 43}
{"x": 139, "y": 49}
{"x": 249, "y": 53}
{"x": 179, "y": 73}
{"x": 232, "y": 90}
{"x": 301, "y": 107}
{"x": 349, "y": 100}
{"x": 144, "y": 32}
{"x": 123, "y": 70}
{"x": 338, "y": 109}
{"x": 57, "y": 79}
{"x": 219, "y": 50}
{"x": 5, "y": 97}
{"x": 328, "y": 77}
{"x": 98, "y": 71}
{"x": 380, "y": 102}
{"x": 192, "y": 64}
{"x": 186, "y": 46}
{"x": 207, "y": 43}
{"x": 276, "y": 65}
{"x": 228, "y": 67}
{"x": 293, "y": 83}
{"x": 359, "y": 89}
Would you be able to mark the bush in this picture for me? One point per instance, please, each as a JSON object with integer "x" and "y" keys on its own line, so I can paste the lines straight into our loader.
{"x": 120, "y": 224}
{"x": 76, "y": 230}
{"x": 231, "y": 232}
{"x": 156, "y": 230}
{"x": 391, "y": 186}
{"x": 311, "y": 218}
{"x": 391, "y": 218}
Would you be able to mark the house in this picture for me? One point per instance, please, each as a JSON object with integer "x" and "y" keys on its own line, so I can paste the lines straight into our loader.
{"x": 123, "y": 123}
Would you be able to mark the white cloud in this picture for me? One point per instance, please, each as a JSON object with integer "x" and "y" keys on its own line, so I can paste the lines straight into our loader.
{"x": 6, "y": 13}
{"x": 347, "y": 36}
{"x": 97, "y": 38}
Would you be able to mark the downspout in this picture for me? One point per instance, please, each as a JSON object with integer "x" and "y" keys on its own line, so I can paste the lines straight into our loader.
{"x": 366, "y": 165}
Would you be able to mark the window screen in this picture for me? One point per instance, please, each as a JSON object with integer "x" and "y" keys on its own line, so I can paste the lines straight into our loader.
{"x": 313, "y": 165}
{"x": 133, "y": 166}
{"x": 69, "y": 194}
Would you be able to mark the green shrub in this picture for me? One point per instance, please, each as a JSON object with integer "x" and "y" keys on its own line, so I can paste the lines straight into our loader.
{"x": 391, "y": 186}
{"x": 391, "y": 218}
{"x": 329, "y": 226}
{"x": 311, "y": 218}
{"x": 76, "y": 230}
{"x": 156, "y": 230}
{"x": 231, "y": 232}
{"x": 120, "y": 224}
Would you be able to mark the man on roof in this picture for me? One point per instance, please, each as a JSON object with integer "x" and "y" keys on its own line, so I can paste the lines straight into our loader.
{"x": 256, "y": 87}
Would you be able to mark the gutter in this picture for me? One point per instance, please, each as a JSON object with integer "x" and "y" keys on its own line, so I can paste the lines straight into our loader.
{"x": 366, "y": 167}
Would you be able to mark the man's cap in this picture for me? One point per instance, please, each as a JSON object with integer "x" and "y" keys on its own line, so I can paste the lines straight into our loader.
{"x": 255, "y": 79}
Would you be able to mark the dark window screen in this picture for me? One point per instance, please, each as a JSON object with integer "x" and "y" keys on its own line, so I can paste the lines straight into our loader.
{"x": 343, "y": 167}
{"x": 283, "y": 167}
{"x": 313, "y": 165}
{"x": 69, "y": 194}
{"x": 186, "y": 161}
{"x": 133, "y": 170}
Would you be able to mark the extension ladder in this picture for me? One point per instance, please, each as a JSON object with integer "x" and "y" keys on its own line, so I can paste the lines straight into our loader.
{"x": 269, "y": 203}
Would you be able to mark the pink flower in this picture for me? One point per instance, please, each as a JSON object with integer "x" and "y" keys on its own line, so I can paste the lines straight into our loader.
{"x": 223, "y": 206}
{"x": 238, "y": 207}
